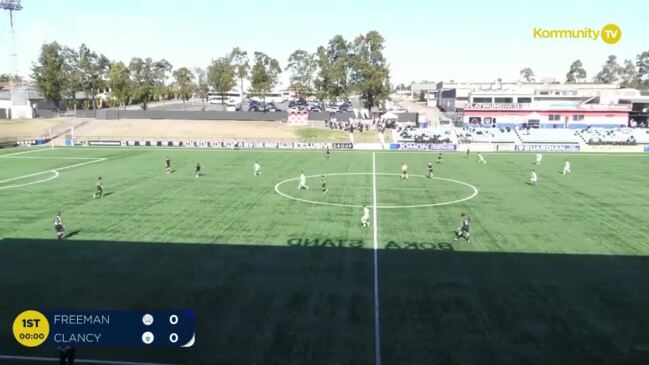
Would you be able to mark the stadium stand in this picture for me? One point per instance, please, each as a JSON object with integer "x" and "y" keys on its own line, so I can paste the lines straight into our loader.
{"x": 499, "y": 135}
{"x": 621, "y": 136}
{"x": 560, "y": 135}
{"x": 426, "y": 135}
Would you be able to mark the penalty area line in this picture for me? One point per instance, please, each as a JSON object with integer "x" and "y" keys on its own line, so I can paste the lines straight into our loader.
{"x": 53, "y": 171}
{"x": 78, "y": 361}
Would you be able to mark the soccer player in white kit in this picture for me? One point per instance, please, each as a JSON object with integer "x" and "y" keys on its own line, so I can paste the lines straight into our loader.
{"x": 365, "y": 219}
{"x": 533, "y": 178}
{"x": 257, "y": 168}
{"x": 302, "y": 182}
{"x": 539, "y": 157}
{"x": 566, "y": 168}
{"x": 481, "y": 159}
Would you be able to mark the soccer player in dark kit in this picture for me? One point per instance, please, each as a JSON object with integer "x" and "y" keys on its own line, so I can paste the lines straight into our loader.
{"x": 58, "y": 226}
{"x": 168, "y": 164}
{"x": 100, "y": 188}
{"x": 463, "y": 231}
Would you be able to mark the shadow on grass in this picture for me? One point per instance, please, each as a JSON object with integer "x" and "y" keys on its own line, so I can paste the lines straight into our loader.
{"x": 72, "y": 234}
{"x": 315, "y": 305}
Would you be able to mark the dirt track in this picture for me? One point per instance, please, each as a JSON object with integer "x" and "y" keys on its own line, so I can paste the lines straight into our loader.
{"x": 36, "y": 127}
{"x": 186, "y": 128}
{"x": 175, "y": 128}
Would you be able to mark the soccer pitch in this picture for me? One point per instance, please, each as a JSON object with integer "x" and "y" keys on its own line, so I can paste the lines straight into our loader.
{"x": 554, "y": 273}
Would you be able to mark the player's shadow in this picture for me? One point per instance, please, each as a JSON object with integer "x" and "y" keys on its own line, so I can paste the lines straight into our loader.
{"x": 72, "y": 234}
{"x": 108, "y": 194}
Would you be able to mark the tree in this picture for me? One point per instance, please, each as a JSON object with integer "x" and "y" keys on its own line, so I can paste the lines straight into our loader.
{"x": 221, "y": 75}
{"x": 160, "y": 70}
{"x": 184, "y": 83}
{"x": 94, "y": 68}
{"x": 143, "y": 80}
{"x": 120, "y": 83}
{"x": 527, "y": 74}
{"x": 241, "y": 64}
{"x": 264, "y": 74}
{"x": 334, "y": 62}
{"x": 202, "y": 85}
{"x": 611, "y": 71}
{"x": 48, "y": 74}
{"x": 629, "y": 75}
{"x": 72, "y": 75}
{"x": 323, "y": 83}
{"x": 642, "y": 62}
{"x": 10, "y": 78}
{"x": 302, "y": 66}
{"x": 576, "y": 73}
{"x": 370, "y": 75}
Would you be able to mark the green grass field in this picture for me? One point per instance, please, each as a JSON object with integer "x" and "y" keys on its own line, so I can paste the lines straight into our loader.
{"x": 554, "y": 274}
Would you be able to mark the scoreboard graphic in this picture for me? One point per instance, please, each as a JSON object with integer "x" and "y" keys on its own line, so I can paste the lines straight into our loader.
{"x": 110, "y": 328}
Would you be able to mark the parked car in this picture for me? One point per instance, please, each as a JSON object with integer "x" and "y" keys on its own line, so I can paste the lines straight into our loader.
{"x": 292, "y": 103}
{"x": 254, "y": 108}
{"x": 315, "y": 109}
{"x": 271, "y": 107}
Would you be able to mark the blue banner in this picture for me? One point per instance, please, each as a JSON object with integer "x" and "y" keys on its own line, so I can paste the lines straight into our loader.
{"x": 410, "y": 146}
{"x": 547, "y": 147}
{"x": 646, "y": 148}
{"x": 121, "y": 328}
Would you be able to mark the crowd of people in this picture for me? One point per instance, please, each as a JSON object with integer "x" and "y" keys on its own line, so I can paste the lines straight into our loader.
{"x": 361, "y": 125}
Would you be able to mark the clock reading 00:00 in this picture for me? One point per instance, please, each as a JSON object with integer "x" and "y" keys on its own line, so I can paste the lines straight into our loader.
{"x": 31, "y": 336}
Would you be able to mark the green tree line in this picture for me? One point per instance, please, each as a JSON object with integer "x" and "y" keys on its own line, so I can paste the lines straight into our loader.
{"x": 334, "y": 71}
{"x": 630, "y": 74}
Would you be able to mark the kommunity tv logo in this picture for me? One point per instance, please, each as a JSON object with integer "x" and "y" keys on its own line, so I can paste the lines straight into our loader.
{"x": 610, "y": 33}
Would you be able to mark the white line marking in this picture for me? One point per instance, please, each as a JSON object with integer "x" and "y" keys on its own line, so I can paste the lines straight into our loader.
{"x": 30, "y": 151}
{"x": 55, "y": 171}
{"x": 56, "y": 174}
{"x": 25, "y": 176}
{"x": 622, "y": 154}
{"x": 77, "y": 361}
{"x": 473, "y": 195}
{"x": 208, "y": 149}
{"x": 53, "y": 157}
{"x": 377, "y": 312}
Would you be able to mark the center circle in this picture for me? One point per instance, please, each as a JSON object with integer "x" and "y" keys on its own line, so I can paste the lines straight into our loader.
{"x": 473, "y": 195}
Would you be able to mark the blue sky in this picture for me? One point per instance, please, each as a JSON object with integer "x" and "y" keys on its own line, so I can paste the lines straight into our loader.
{"x": 433, "y": 40}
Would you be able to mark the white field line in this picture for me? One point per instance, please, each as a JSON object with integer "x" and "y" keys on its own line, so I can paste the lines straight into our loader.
{"x": 51, "y": 157}
{"x": 473, "y": 195}
{"x": 55, "y": 171}
{"x": 377, "y": 312}
{"x": 30, "y": 151}
{"x": 209, "y": 149}
{"x": 53, "y": 360}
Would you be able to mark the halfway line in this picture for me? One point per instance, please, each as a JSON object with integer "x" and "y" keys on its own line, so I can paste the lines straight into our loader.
{"x": 377, "y": 324}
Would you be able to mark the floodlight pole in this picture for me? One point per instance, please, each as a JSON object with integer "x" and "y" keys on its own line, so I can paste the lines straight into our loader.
{"x": 12, "y": 5}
